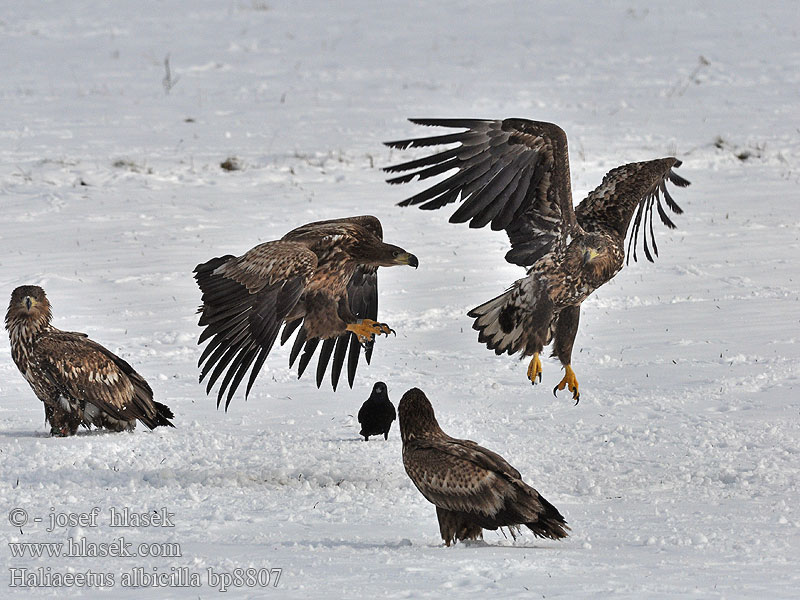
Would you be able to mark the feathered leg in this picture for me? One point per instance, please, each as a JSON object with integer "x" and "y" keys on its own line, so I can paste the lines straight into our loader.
{"x": 457, "y": 526}
{"x": 63, "y": 423}
{"x": 566, "y": 329}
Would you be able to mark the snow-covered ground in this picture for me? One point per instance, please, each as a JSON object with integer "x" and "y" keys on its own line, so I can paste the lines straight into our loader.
{"x": 679, "y": 471}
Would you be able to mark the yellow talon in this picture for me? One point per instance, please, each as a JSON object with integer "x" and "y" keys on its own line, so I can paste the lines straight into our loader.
{"x": 535, "y": 369}
{"x": 366, "y": 329}
{"x": 571, "y": 381}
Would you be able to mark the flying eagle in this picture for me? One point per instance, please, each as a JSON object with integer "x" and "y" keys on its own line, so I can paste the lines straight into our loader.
{"x": 514, "y": 175}
{"x": 473, "y": 488}
{"x": 79, "y": 381}
{"x": 320, "y": 278}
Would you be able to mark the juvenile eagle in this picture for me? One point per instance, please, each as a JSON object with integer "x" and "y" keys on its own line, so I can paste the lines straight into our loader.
{"x": 473, "y": 488}
{"x": 79, "y": 381}
{"x": 514, "y": 175}
{"x": 377, "y": 413}
{"x": 320, "y": 278}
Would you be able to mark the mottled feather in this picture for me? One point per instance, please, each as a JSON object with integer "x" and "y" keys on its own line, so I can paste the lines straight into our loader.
{"x": 472, "y": 487}
{"x": 313, "y": 282}
{"x": 514, "y": 175}
{"x": 80, "y": 381}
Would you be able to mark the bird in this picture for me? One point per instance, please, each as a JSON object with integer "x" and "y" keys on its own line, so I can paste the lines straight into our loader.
{"x": 472, "y": 488}
{"x": 79, "y": 381}
{"x": 319, "y": 279}
{"x": 377, "y": 413}
{"x": 513, "y": 174}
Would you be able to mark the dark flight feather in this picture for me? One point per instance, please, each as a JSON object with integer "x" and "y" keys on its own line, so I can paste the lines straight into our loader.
{"x": 514, "y": 175}
{"x": 312, "y": 283}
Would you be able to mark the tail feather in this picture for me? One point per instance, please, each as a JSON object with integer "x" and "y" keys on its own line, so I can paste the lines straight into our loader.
{"x": 500, "y": 323}
{"x": 550, "y": 523}
{"x": 163, "y": 415}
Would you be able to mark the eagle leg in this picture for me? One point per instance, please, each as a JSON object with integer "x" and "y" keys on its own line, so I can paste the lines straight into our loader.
{"x": 571, "y": 381}
{"x": 366, "y": 329}
{"x": 535, "y": 369}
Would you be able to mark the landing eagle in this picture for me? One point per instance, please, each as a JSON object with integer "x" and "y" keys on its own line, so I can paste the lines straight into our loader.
{"x": 472, "y": 487}
{"x": 79, "y": 381}
{"x": 320, "y": 278}
{"x": 514, "y": 175}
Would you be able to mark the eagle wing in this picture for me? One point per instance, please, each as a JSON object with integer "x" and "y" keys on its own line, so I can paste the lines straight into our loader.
{"x": 512, "y": 173}
{"x": 460, "y": 475}
{"x": 362, "y": 298}
{"x": 84, "y": 370}
{"x": 245, "y": 301}
{"x": 633, "y": 187}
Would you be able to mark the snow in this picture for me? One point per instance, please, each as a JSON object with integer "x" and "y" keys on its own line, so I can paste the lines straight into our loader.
{"x": 678, "y": 471}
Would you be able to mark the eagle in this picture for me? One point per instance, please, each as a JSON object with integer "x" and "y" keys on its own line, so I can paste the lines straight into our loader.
{"x": 513, "y": 175}
{"x": 79, "y": 381}
{"x": 320, "y": 279}
{"x": 473, "y": 488}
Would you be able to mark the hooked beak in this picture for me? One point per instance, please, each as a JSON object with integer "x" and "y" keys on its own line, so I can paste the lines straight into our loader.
{"x": 589, "y": 255}
{"x": 28, "y": 302}
{"x": 407, "y": 259}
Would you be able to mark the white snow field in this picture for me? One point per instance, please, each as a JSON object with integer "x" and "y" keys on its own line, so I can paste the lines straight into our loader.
{"x": 678, "y": 472}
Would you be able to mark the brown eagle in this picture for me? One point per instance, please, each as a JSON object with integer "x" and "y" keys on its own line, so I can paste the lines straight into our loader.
{"x": 320, "y": 278}
{"x": 514, "y": 175}
{"x": 79, "y": 381}
{"x": 473, "y": 488}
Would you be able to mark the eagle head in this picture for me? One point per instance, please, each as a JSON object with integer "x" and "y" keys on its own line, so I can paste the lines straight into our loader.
{"x": 29, "y": 303}
{"x": 596, "y": 255}
{"x": 386, "y": 255}
{"x": 416, "y": 416}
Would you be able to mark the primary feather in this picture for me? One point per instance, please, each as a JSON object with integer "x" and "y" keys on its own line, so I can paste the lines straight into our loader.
{"x": 514, "y": 175}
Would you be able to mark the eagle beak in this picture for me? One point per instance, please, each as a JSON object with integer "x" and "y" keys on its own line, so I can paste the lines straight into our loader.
{"x": 589, "y": 255}
{"x": 28, "y": 302}
{"x": 408, "y": 259}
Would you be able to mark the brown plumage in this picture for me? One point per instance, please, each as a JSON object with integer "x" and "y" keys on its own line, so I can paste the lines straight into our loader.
{"x": 320, "y": 278}
{"x": 79, "y": 381}
{"x": 514, "y": 175}
{"x": 473, "y": 488}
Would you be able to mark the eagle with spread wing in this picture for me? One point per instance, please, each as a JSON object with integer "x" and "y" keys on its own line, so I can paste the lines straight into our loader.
{"x": 473, "y": 488}
{"x": 79, "y": 381}
{"x": 320, "y": 278}
{"x": 514, "y": 175}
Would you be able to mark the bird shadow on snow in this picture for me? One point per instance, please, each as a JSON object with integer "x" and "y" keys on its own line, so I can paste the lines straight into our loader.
{"x": 501, "y": 543}
{"x": 28, "y": 433}
{"x": 407, "y": 543}
{"x": 355, "y": 439}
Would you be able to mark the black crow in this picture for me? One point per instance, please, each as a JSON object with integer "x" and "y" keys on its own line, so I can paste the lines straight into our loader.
{"x": 377, "y": 413}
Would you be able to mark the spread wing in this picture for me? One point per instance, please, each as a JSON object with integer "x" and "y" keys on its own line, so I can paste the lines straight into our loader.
{"x": 633, "y": 187}
{"x": 245, "y": 301}
{"x": 512, "y": 173}
{"x": 84, "y": 370}
{"x": 362, "y": 298}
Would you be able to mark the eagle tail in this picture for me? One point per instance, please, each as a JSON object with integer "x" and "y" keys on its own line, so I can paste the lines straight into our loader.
{"x": 500, "y": 321}
{"x": 163, "y": 415}
{"x": 550, "y": 523}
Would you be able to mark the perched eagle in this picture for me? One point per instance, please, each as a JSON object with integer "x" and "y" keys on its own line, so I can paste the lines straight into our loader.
{"x": 473, "y": 488}
{"x": 377, "y": 413}
{"x": 514, "y": 175}
{"x": 79, "y": 381}
{"x": 320, "y": 277}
